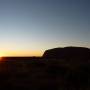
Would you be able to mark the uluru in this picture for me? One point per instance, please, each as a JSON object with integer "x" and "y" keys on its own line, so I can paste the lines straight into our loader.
{"x": 68, "y": 53}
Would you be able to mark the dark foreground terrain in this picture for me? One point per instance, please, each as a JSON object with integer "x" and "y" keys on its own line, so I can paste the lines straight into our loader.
{"x": 31, "y": 73}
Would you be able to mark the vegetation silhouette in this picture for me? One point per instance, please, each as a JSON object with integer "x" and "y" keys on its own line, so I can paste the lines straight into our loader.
{"x": 58, "y": 69}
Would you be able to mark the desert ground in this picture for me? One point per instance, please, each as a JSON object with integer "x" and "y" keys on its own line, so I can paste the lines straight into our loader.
{"x": 35, "y": 73}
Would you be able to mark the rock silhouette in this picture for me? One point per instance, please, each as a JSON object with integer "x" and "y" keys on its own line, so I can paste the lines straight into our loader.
{"x": 68, "y": 53}
{"x": 36, "y": 73}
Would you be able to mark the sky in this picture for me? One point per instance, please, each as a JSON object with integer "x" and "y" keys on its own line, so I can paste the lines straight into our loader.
{"x": 29, "y": 27}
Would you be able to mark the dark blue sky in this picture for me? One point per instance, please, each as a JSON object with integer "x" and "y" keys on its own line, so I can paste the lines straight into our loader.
{"x": 37, "y": 25}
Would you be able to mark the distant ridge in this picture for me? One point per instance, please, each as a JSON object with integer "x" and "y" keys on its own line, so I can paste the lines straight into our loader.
{"x": 68, "y": 53}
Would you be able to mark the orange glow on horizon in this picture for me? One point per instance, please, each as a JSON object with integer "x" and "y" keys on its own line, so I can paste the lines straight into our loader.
{"x": 1, "y": 54}
{"x": 20, "y": 53}
{"x": 1, "y": 58}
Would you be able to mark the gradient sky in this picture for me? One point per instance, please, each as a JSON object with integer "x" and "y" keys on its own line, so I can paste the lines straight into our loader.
{"x": 29, "y": 27}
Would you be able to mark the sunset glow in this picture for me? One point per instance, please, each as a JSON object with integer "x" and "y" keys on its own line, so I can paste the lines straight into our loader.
{"x": 1, "y": 55}
{"x": 29, "y": 27}
{"x": 21, "y": 53}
